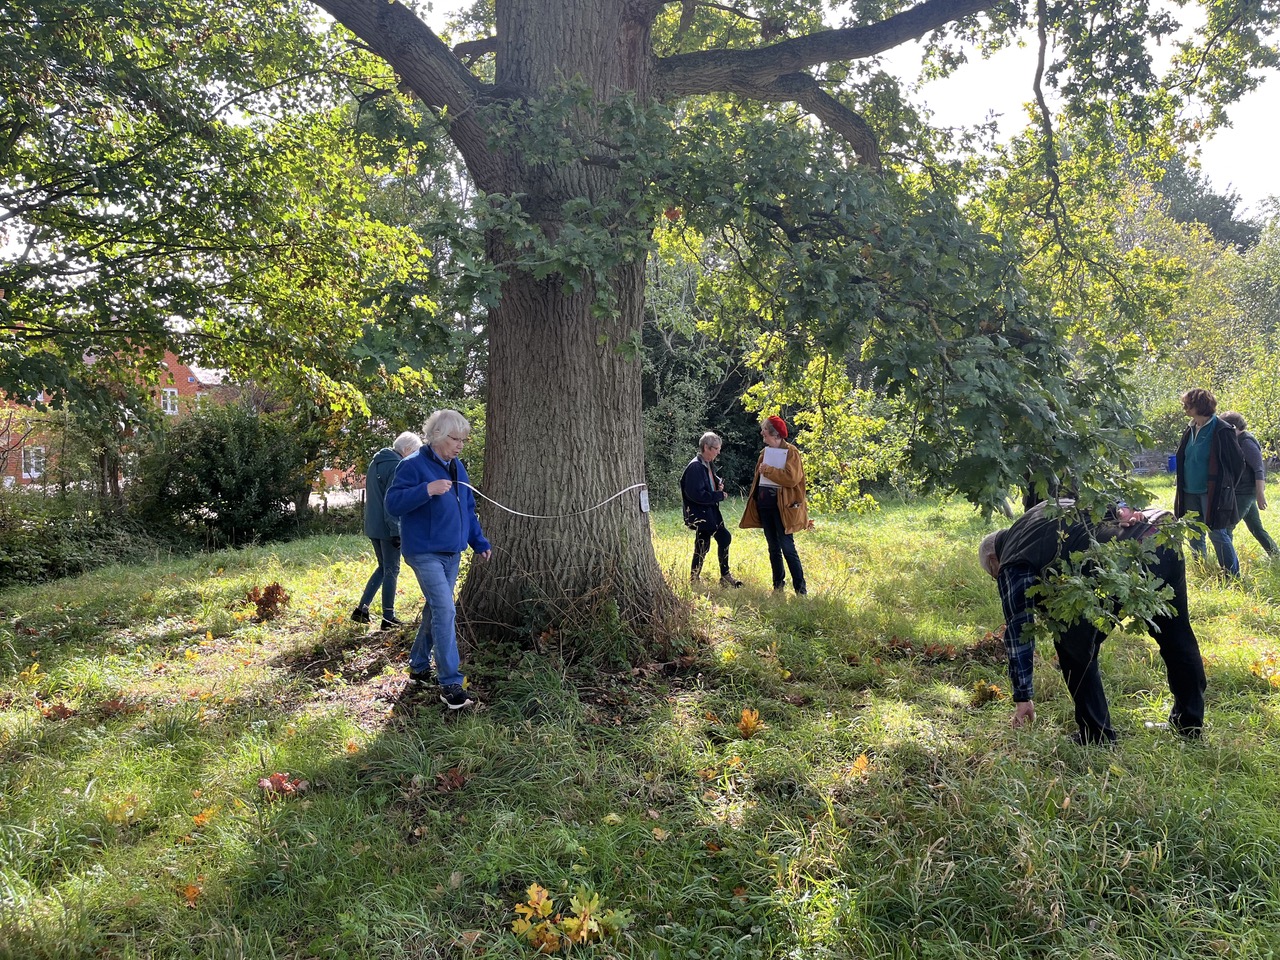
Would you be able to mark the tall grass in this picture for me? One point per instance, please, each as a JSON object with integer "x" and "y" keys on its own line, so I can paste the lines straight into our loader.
{"x": 879, "y": 811}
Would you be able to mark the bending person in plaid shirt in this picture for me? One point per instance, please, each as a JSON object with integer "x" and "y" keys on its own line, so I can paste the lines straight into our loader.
{"x": 1017, "y": 558}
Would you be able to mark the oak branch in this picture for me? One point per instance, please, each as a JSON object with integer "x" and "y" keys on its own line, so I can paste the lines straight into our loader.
{"x": 775, "y": 72}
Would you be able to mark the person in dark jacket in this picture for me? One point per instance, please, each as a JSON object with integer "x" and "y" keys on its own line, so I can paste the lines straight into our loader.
{"x": 432, "y": 497}
{"x": 1208, "y": 466}
{"x": 383, "y": 531}
{"x": 1018, "y": 558}
{"x": 701, "y": 491}
{"x": 1251, "y": 488}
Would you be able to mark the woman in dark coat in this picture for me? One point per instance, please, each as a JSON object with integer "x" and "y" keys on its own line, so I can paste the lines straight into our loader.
{"x": 1208, "y": 466}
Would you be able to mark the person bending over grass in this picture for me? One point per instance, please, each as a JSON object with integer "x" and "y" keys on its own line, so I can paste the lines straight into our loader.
{"x": 1018, "y": 558}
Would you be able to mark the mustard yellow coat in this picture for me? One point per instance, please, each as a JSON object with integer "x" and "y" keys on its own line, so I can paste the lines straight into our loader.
{"x": 792, "y": 505}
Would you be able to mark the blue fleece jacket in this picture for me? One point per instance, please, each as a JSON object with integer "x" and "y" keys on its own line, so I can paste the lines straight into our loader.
{"x": 443, "y": 524}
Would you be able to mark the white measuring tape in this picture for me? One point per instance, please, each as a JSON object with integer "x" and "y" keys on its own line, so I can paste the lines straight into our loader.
{"x": 644, "y": 503}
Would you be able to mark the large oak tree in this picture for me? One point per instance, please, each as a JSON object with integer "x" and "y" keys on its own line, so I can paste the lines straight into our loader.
{"x": 578, "y": 120}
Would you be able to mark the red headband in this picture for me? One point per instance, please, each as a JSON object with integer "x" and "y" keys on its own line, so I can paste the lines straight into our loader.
{"x": 779, "y": 426}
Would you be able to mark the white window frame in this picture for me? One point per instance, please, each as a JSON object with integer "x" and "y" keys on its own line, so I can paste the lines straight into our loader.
{"x": 169, "y": 401}
{"x": 34, "y": 462}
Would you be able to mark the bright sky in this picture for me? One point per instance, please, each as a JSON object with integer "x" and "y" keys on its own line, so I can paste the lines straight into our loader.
{"x": 1241, "y": 156}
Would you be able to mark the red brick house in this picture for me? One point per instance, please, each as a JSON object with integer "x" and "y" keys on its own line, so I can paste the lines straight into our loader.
{"x": 26, "y": 446}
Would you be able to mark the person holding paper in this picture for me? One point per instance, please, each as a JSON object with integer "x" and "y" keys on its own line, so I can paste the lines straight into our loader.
{"x": 777, "y": 503}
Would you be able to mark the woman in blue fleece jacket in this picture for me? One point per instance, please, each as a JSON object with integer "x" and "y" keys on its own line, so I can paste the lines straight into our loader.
{"x": 437, "y": 522}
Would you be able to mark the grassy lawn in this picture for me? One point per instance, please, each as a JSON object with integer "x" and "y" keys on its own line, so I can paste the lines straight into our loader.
{"x": 883, "y": 809}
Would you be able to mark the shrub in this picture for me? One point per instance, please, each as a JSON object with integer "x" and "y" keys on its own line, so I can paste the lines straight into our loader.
{"x": 44, "y": 536}
{"x": 225, "y": 471}
{"x": 270, "y": 601}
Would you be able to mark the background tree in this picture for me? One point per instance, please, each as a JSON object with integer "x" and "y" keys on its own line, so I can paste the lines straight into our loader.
{"x": 1192, "y": 199}
{"x": 185, "y": 176}
{"x": 226, "y": 473}
{"x": 1254, "y": 386}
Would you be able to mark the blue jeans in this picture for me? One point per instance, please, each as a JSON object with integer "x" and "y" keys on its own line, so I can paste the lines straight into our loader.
{"x": 386, "y": 576}
{"x": 1247, "y": 504}
{"x": 1223, "y": 546}
{"x": 437, "y": 573}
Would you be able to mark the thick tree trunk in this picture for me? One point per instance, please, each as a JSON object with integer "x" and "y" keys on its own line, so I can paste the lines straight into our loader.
{"x": 563, "y": 416}
{"x": 563, "y": 434}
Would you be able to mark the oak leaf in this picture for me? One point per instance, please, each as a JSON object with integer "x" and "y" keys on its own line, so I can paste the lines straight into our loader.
{"x": 55, "y": 711}
{"x": 450, "y": 780}
{"x": 280, "y": 785}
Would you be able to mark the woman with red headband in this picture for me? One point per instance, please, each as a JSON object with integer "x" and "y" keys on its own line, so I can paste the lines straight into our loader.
{"x": 777, "y": 503}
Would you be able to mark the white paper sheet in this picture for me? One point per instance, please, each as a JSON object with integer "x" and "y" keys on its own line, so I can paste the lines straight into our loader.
{"x": 773, "y": 457}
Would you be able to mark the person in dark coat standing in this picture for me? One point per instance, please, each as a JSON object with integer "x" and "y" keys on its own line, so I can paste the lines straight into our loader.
{"x": 1251, "y": 488}
{"x": 383, "y": 530}
{"x": 1208, "y": 466}
{"x": 702, "y": 490}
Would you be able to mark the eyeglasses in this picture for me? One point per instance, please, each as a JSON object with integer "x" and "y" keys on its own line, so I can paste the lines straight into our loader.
{"x": 456, "y": 439}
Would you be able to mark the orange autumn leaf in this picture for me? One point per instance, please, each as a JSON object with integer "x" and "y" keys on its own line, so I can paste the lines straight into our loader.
{"x": 55, "y": 711}
{"x": 192, "y": 891}
{"x": 861, "y": 767}
{"x": 280, "y": 785}
{"x": 539, "y": 906}
{"x": 204, "y": 816}
{"x": 750, "y": 724}
{"x": 116, "y": 706}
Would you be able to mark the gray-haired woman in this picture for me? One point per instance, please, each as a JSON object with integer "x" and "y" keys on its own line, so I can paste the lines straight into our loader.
{"x": 431, "y": 494}
{"x": 1251, "y": 488}
{"x": 383, "y": 531}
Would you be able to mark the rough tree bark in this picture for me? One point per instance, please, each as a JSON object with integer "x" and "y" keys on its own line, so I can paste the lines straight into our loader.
{"x": 564, "y": 405}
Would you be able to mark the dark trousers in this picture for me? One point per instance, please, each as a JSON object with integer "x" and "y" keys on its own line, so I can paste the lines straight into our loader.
{"x": 1078, "y": 657}
{"x": 702, "y": 543}
{"x": 1247, "y": 505}
{"x": 1178, "y": 646}
{"x": 781, "y": 545}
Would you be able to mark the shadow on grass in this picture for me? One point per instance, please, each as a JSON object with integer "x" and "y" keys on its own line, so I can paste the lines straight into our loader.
{"x": 876, "y": 812}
